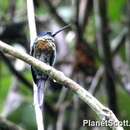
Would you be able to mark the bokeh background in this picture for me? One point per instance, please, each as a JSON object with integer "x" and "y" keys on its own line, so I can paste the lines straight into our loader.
{"x": 94, "y": 51}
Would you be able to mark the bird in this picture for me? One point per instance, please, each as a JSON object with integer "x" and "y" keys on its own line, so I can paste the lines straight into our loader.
{"x": 43, "y": 49}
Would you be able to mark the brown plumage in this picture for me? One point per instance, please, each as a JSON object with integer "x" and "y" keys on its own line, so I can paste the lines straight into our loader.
{"x": 43, "y": 46}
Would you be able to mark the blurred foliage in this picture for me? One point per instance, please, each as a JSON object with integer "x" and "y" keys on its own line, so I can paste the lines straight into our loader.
{"x": 116, "y": 9}
{"x": 24, "y": 116}
{"x": 4, "y": 7}
{"x": 5, "y": 83}
{"x": 41, "y": 10}
{"x": 123, "y": 101}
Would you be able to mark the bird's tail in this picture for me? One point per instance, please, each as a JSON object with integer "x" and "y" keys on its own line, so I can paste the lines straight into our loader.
{"x": 40, "y": 92}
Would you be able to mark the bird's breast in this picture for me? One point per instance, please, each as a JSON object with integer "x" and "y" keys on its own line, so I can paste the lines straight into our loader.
{"x": 44, "y": 46}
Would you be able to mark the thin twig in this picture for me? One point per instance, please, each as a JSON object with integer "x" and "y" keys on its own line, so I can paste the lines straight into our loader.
{"x": 103, "y": 112}
{"x": 7, "y": 125}
{"x": 96, "y": 80}
{"x": 117, "y": 42}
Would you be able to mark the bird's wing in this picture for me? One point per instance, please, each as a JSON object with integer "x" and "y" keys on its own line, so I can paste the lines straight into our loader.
{"x": 52, "y": 58}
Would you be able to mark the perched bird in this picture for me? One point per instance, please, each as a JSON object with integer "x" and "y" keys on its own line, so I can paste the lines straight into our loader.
{"x": 43, "y": 49}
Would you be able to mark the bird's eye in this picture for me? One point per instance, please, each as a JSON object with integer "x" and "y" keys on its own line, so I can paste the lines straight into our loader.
{"x": 49, "y": 39}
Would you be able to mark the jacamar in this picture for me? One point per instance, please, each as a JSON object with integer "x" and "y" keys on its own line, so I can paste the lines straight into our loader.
{"x": 43, "y": 49}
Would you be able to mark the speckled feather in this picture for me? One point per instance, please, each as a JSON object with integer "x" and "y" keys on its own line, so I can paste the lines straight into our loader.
{"x": 44, "y": 50}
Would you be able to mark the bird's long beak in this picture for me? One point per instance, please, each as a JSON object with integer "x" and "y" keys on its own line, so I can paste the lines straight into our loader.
{"x": 63, "y": 28}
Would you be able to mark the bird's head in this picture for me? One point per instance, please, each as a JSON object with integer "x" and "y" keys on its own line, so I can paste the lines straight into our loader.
{"x": 45, "y": 39}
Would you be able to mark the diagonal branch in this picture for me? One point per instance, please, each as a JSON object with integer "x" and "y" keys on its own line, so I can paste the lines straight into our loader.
{"x": 103, "y": 112}
{"x": 7, "y": 125}
{"x": 119, "y": 41}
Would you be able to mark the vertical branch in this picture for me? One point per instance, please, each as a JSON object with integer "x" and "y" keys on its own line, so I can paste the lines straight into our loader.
{"x": 77, "y": 23}
{"x": 77, "y": 3}
{"x": 31, "y": 21}
{"x": 33, "y": 35}
{"x": 38, "y": 110}
{"x": 105, "y": 51}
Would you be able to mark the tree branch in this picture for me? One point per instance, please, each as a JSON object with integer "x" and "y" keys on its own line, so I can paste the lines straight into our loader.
{"x": 33, "y": 35}
{"x": 96, "y": 80}
{"x": 102, "y": 35}
{"x": 103, "y": 112}
{"x": 31, "y": 21}
{"x": 119, "y": 41}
